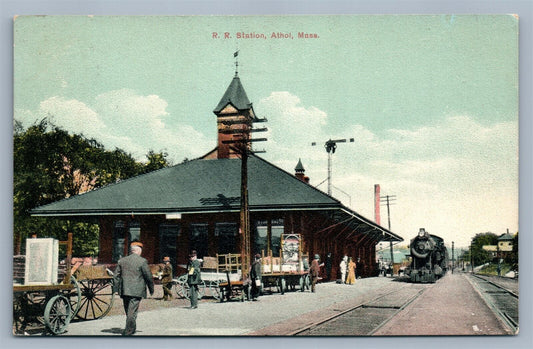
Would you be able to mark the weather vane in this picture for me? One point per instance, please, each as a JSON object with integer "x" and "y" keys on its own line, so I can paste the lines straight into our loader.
{"x": 235, "y": 54}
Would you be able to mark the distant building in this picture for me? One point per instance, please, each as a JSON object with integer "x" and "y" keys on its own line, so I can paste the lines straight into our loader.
{"x": 505, "y": 243}
{"x": 504, "y": 246}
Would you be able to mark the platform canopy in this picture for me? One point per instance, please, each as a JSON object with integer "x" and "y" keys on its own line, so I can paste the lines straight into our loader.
{"x": 210, "y": 186}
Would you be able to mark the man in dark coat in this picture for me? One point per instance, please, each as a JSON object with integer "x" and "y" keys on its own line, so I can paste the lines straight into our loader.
{"x": 255, "y": 277}
{"x": 329, "y": 265}
{"x": 314, "y": 271}
{"x": 166, "y": 279}
{"x": 131, "y": 278}
{"x": 193, "y": 278}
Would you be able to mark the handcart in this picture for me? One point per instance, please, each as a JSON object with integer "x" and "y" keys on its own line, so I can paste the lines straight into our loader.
{"x": 232, "y": 286}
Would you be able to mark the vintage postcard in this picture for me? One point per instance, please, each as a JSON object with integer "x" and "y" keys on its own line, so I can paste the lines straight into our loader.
{"x": 343, "y": 175}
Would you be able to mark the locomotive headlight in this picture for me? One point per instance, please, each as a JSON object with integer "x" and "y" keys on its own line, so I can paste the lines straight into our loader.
{"x": 421, "y": 232}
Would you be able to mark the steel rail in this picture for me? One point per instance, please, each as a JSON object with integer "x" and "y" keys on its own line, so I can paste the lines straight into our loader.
{"x": 360, "y": 305}
{"x": 511, "y": 324}
{"x": 497, "y": 285}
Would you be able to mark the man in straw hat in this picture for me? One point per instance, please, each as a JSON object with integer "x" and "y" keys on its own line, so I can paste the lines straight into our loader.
{"x": 166, "y": 279}
{"x": 131, "y": 278}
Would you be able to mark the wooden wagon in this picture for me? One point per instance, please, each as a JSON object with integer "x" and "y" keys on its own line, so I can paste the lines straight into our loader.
{"x": 290, "y": 270}
{"x": 78, "y": 291}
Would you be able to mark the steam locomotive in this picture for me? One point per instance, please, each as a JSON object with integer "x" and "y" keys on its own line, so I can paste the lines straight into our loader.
{"x": 429, "y": 258}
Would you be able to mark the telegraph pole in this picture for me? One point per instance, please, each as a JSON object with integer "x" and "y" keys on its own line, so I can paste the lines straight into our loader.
{"x": 453, "y": 257}
{"x": 242, "y": 145}
{"x": 471, "y": 258}
{"x": 331, "y": 146}
{"x": 388, "y": 200}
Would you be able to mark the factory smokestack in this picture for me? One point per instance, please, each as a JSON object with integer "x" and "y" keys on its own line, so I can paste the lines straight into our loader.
{"x": 377, "y": 216}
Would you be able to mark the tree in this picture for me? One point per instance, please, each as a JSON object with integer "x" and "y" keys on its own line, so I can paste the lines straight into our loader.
{"x": 478, "y": 254}
{"x": 156, "y": 161}
{"x": 50, "y": 164}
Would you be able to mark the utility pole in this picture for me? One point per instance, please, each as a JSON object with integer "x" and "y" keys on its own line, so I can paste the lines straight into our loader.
{"x": 331, "y": 146}
{"x": 453, "y": 258}
{"x": 471, "y": 258}
{"x": 389, "y": 200}
{"x": 242, "y": 145}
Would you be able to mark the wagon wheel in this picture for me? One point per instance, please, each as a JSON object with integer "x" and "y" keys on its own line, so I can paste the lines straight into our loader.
{"x": 282, "y": 285}
{"x": 216, "y": 292}
{"x": 180, "y": 286}
{"x": 96, "y": 298}
{"x": 19, "y": 316}
{"x": 57, "y": 314}
{"x": 32, "y": 305}
{"x": 74, "y": 296}
{"x": 187, "y": 290}
{"x": 306, "y": 280}
{"x": 302, "y": 283}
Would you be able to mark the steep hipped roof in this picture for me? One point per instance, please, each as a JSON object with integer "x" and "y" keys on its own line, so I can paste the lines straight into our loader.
{"x": 299, "y": 167}
{"x": 195, "y": 186}
{"x": 207, "y": 186}
{"x": 234, "y": 95}
{"x": 505, "y": 237}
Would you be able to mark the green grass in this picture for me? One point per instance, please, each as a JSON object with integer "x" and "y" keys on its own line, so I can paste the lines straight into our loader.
{"x": 492, "y": 269}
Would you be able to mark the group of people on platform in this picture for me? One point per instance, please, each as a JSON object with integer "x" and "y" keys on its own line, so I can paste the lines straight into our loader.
{"x": 132, "y": 277}
{"x": 349, "y": 270}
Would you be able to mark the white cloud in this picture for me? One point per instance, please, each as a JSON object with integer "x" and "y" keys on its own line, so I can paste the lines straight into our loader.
{"x": 456, "y": 178}
{"x": 77, "y": 115}
{"x": 122, "y": 119}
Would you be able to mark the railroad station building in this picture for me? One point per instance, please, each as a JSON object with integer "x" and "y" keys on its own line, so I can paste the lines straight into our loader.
{"x": 196, "y": 205}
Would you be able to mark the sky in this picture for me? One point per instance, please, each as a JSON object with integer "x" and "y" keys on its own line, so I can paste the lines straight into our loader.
{"x": 431, "y": 101}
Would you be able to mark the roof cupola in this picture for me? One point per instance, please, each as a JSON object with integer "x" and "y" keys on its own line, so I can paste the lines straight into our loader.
{"x": 300, "y": 172}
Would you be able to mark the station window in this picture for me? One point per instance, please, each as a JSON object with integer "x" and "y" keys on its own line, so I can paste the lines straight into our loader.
{"x": 198, "y": 239}
{"x": 168, "y": 239}
{"x": 226, "y": 234}
{"x": 277, "y": 230}
{"x": 134, "y": 231}
{"x": 119, "y": 240}
{"x": 262, "y": 240}
{"x": 260, "y": 237}
{"x": 120, "y": 230}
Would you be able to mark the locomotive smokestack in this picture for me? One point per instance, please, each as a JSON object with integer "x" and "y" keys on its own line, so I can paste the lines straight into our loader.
{"x": 377, "y": 217}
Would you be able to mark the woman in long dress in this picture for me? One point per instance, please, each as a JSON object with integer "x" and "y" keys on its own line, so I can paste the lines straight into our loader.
{"x": 350, "y": 280}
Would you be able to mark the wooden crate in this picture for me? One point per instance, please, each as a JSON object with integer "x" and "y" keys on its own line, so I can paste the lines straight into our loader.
{"x": 210, "y": 263}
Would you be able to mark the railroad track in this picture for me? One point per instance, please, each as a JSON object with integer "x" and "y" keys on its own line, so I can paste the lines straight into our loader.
{"x": 500, "y": 298}
{"x": 365, "y": 318}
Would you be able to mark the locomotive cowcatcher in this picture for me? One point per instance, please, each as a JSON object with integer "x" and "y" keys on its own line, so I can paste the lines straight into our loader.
{"x": 429, "y": 258}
